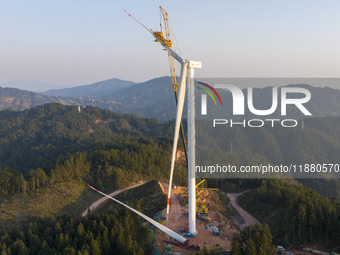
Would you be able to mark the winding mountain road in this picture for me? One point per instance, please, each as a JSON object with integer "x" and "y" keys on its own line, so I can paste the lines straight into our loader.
{"x": 242, "y": 217}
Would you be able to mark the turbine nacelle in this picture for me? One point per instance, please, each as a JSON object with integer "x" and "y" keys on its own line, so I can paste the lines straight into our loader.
{"x": 195, "y": 64}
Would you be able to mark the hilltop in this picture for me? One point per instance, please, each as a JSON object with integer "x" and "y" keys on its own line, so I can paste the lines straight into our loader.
{"x": 101, "y": 89}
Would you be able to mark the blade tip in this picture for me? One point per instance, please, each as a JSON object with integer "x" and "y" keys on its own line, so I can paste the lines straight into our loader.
{"x": 127, "y": 13}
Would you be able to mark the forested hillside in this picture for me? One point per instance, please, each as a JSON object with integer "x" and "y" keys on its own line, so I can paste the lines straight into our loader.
{"x": 48, "y": 154}
{"x": 294, "y": 213}
{"x": 55, "y": 149}
{"x": 317, "y": 143}
{"x": 43, "y": 137}
{"x": 116, "y": 231}
{"x": 16, "y": 99}
{"x": 57, "y": 143}
{"x": 40, "y": 136}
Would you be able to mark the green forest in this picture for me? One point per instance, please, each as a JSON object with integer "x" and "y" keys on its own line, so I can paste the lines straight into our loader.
{"x": 59, "y": 148}
{"x": 253, "y": 239}
{"x": 317, "y": 143}
{"x": 294, "y": 213}
{"x": 115, "y": 230}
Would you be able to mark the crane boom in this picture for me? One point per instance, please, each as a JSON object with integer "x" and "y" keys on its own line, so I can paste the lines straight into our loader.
{"x": 200, "y": 183}
{"x": 173, "y": 53}
{"x": 167, "y": 45}
{"x": 173, "y": 74}
{"x": 171, "y": 59}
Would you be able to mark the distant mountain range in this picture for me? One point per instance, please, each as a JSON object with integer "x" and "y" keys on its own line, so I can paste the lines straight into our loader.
{"x": 102, "y": 89}
{"x": 35, "y": 86}
{"x": 16, "y": 99}
{"x": 155, "y": 99}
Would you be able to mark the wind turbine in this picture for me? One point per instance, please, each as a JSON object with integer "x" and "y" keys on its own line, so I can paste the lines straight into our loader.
{"x": 187, "y": 79}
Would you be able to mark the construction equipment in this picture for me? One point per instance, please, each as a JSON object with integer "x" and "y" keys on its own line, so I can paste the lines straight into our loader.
{"x": 168, "y": 42}
{"x": 204, "y": 218}
{"x": 202, "y": 209}
{"x": 216, "y": 231}
{"x": 187, "y": 79}
{"x": 197, "y": 186}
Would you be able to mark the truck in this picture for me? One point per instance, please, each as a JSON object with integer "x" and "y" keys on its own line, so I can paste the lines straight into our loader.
{"x": 216, "y": 231}
{"x": 204, "y": 218}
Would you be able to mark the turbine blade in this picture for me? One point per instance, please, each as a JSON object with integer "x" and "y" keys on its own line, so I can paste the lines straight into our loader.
{"x": 180, "y": 106}
{"x": 166, "y": 230}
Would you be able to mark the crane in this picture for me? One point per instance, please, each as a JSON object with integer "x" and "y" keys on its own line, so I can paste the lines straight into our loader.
{"x": 168, "y": 42}
{"x": 187, "y": 80}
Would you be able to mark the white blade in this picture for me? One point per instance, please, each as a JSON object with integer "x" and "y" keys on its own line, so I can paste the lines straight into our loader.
{"x": 166, "y": 230}
{"x": 169, "y": 50}
{"x": 180, "y": 105}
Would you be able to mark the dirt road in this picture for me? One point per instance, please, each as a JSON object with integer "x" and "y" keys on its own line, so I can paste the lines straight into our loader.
{"x": 102, "y": 200}
{"x": 242, "y": 218}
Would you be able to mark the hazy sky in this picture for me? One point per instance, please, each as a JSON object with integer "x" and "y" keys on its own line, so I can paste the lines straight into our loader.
{"x": 74, "y": 42}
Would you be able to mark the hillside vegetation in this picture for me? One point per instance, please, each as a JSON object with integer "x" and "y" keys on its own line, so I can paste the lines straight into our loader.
{"x": 48, "y": 154}
{"x": 40, "y": 136}
{"x": 317, "y": 143}
{"x": 117, "y": 231}
{"x": 51, "y": 151}
{"x": 294, "y": 213}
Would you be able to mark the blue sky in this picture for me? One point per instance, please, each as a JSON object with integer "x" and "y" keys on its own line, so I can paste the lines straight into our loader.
{"x": 74, "y": 42}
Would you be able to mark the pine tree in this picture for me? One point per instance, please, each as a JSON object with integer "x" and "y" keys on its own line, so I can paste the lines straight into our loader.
{"x": 95, "y": 248}
{"x": 45, "y": 249}
{"x": 235, "y": 248}
{"x": 19, "y": 247}
{"x": 251, "y": 248}
{"x": 80, "y": 229}
{"x": 106, "y": 247}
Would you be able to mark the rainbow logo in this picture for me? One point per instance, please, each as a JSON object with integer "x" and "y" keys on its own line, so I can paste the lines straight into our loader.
{"x": 209, "y": 93}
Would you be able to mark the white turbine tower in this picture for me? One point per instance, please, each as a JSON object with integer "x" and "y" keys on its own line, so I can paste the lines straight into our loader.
{"x": 187, "y": 79}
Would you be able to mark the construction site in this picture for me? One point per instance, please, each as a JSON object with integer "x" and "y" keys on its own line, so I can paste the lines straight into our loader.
{"x": 214, "y": 230}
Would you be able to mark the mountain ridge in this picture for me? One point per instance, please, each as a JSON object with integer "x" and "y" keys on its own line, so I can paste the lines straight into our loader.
{"x": 29, "y": 85}
{"x": 103, "y": 89}
{"x": 155, "y": 99}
